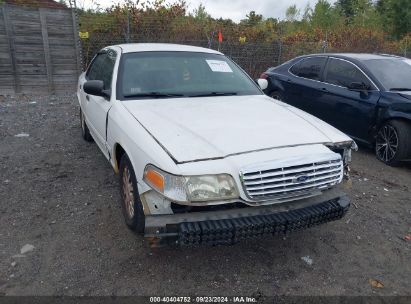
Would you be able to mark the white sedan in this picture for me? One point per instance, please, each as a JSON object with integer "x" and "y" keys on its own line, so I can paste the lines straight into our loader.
{"x": 202, "y": 154}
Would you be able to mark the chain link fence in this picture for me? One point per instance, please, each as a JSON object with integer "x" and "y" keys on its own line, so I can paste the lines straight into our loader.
{"x": 254, "y": 51}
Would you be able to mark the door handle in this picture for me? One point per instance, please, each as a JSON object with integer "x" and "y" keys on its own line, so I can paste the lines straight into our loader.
{"x": 324, "y": 89}
{"x": 289, "y": 80}
{"x": 88, "y": 98}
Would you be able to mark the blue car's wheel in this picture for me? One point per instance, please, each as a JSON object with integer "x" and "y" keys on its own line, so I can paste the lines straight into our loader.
{"x": 392, "y": 143}
{"x": 277, "y": 95}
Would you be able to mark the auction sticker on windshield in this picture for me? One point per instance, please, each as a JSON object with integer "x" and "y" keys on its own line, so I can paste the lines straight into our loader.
{"x": 219, "y": 66}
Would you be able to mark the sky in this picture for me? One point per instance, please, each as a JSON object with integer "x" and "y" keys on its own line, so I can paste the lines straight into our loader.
{"x": 234, "y": 9}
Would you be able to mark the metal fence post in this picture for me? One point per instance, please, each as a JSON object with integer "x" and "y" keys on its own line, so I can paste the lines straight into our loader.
{"x": 128, "y": 26}
{"x": 77, "y": 40}
{"x": 280, "y": 51}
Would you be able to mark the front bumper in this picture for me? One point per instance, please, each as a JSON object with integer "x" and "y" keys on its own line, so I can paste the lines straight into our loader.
{"x": 232, "y": 226}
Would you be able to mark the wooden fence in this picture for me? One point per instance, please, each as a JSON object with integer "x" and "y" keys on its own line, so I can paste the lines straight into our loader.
{"x": 39, "y": 50}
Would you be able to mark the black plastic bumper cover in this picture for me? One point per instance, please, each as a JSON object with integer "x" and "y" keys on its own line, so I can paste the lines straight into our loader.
{"x": 230, "y": 231}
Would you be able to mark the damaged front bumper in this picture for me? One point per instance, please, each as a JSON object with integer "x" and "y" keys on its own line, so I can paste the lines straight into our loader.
{"x": 234, "y": 225}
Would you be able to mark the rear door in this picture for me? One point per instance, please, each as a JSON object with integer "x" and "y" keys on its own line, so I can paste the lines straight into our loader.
{"x": 350, "y": 111}
{"x": 301, "y": 88}
{"x": 95, "y": 108}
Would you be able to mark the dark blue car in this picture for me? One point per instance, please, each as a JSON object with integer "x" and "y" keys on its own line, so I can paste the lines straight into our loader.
{"x": 364, "y": 95}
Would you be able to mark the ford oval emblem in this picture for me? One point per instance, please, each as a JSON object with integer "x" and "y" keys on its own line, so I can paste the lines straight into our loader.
{"x": 301, "y": 179}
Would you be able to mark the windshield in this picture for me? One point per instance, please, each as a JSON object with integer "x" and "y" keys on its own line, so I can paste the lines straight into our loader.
{"x": 181, "y": 74}
{"x": 394, "y": 73}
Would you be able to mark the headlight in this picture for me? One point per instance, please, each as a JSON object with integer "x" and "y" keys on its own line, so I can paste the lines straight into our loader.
{"x": 196, "y": 188}
{"x": 344, "y": 149}
{"x": 345, "y": 144}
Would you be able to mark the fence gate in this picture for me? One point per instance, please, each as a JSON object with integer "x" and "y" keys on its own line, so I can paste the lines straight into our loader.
{"x": 39, "y": 50}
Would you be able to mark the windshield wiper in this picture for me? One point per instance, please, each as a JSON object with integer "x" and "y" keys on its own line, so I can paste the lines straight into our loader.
{"x": 400, "y": 89}
{"x": 154, "y": 94}
{"x": 214, "y": 94}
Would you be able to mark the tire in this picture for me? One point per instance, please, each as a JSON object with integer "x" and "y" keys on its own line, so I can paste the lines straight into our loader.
{"x": 393, "y": 143}
{"x": 130, "y": 200}
{"x": 85, "y": 132}
{"x": 277, "y": 95}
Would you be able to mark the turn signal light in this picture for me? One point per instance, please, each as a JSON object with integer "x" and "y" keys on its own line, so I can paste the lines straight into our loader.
{"x": 155, "y": 179}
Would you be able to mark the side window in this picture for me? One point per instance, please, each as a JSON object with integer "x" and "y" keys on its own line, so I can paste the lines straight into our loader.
{"x": 102, "y": 68}
{"x": 344, "y": 73}
{"x": 309, "y": 68}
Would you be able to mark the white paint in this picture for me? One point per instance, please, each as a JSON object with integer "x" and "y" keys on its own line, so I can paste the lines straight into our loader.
{"x": 161, "y": 47}
{"x": 407, "y": 61}
{"x": 201, "y": 128}
{"x": 234, "y": 131}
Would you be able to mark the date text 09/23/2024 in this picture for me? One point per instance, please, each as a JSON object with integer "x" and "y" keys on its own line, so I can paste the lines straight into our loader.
{"x": 205, "y": 299}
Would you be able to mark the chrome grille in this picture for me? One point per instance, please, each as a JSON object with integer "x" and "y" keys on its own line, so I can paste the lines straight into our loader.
{"x": 293, "y": 181}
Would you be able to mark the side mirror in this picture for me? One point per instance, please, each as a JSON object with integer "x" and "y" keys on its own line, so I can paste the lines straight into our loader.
{"x": 358, "y": 86}
{"x": 96, "y": 87}
{"x": 263, "y": 83}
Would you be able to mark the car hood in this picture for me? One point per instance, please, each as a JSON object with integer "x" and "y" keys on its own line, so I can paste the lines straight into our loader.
{"x": 406, "y": 95}
{"x": 193, "y": 129}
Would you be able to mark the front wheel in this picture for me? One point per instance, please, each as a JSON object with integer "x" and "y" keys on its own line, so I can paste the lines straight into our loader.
{"x": 131, "y": 205}
{"x": 392, "y": 143}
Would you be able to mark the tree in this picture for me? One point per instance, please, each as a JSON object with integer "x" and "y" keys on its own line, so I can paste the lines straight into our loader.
{"x": 200, "y": 13}
{"x": 346, "y": 7}
{"x": 292, "y": 13}
{"x": 252, "y": 19}
{"x": 396, "y": 16}
{"x": 308, "y": 11}
{"x": 324, "y": 16}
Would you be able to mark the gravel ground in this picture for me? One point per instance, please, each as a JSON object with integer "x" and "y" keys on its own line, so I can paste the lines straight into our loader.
{"x": 60, "y": 195}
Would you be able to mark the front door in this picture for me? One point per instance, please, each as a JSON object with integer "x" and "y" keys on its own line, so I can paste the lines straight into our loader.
{"x": 351, "y": 111}
{"x": 95, "y": 108}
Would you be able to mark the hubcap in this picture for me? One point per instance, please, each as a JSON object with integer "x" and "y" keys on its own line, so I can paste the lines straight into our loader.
{"x": 387, "y": 143}
{"x": 128, "y": 193}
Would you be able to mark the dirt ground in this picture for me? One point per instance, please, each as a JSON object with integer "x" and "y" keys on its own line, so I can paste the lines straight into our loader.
{"x": 59, "y": 194}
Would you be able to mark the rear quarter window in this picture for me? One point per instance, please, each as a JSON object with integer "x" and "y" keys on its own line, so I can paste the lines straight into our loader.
{"x": 309, "y": 68}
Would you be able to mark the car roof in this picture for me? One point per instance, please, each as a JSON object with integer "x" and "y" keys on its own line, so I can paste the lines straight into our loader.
{"x": 159, "y": 47}
{"x": 357, "y": 56}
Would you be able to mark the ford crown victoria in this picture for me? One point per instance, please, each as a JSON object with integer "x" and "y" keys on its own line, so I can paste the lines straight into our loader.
{"x": 203, "y": 156}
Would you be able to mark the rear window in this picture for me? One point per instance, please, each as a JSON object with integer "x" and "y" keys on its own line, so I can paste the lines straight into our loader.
{"x": 310, "y": 68}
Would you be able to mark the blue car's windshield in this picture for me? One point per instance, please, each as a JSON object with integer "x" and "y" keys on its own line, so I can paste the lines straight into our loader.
{"x": 181, "y": 74}
{"x": 394, "y": 73}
